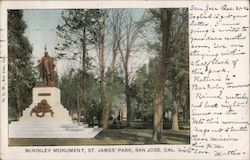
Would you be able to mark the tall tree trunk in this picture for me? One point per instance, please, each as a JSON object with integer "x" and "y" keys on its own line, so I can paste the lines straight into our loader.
{"x": 126, "y": 77}
{"x": 84, "y": 68}
{"x": 127, "y": 85}
{"x": 158, "y": 122}
{"x": 82, "y": 99}
{"x": 166, "y": 17}
{"x": 108, "y": 107}
{"x": 128, "y": 103}
{"x": 102, "y": 80}
{"x": 116, "y": 32}
{"x": 175, "y": 125}
{"x": 131, "y": 31}
{"x": 110, "y": 100}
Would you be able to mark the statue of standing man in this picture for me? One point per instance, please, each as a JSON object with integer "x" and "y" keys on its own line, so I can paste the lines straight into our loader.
{"x": 47, "y": 66}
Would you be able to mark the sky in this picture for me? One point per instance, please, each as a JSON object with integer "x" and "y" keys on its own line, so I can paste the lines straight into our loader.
{"x": 41, "y": 31}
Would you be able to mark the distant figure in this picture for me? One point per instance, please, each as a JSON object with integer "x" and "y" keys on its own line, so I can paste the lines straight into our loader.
{"x": 119, "y": 117}
{"x": 91, "y": 113}
{"x": 119, "y": 121}
{"x": 46, "y": 65}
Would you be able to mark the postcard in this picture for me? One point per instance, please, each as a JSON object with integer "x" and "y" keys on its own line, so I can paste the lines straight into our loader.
{"x": 124, "y": 80}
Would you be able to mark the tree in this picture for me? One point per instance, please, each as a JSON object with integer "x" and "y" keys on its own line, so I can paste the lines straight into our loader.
{"x": 74, "y": 33}
{"x": 165, "y": 16}
{"x": 78, "y": 33}
{"x": 114, "y": 80}
{"x": 143, "y": 86}
{"x": 127, "y": 47}
{"x": 70, "y": 92}
{"x": 140, "y": 86}
{"x": 172, "y": 26}
{"x": 21, "y": 77}
{"x": 179, "y": 69}
{"x": 115, "y": 19}
{"x": 98, "y": 33}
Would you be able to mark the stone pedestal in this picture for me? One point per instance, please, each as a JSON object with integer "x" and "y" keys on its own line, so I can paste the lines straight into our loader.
{"x": 47, "y": 125}
{"x": 52, "y": 96}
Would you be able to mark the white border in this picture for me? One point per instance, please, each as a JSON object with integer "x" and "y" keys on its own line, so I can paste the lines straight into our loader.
{"x": 18, "y": 152}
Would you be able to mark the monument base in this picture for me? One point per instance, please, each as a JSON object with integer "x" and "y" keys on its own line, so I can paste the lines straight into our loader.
{"x": 49, "y": 120}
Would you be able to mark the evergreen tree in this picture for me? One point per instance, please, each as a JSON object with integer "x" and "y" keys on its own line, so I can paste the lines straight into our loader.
{"x": 21, "y": 76}
{"x": 81, "y": 30}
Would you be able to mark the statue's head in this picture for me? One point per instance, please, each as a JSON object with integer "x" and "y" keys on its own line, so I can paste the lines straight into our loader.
{"x": 46, "y": 53}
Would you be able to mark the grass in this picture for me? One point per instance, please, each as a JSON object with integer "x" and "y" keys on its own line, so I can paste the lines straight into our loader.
{"x": 108, "y": 137}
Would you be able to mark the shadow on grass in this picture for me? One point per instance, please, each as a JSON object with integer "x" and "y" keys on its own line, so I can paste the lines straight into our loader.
{"x": 107, "y": 137}
{"x": 129, "y": 137}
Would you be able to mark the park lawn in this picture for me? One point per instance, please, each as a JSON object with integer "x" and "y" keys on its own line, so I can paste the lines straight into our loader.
{"x": 108, "y": 137}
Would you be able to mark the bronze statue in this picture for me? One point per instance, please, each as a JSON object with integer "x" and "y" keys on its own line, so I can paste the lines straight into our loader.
{"x": 46, "y": 65}
{"x": 42, "y": 107}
